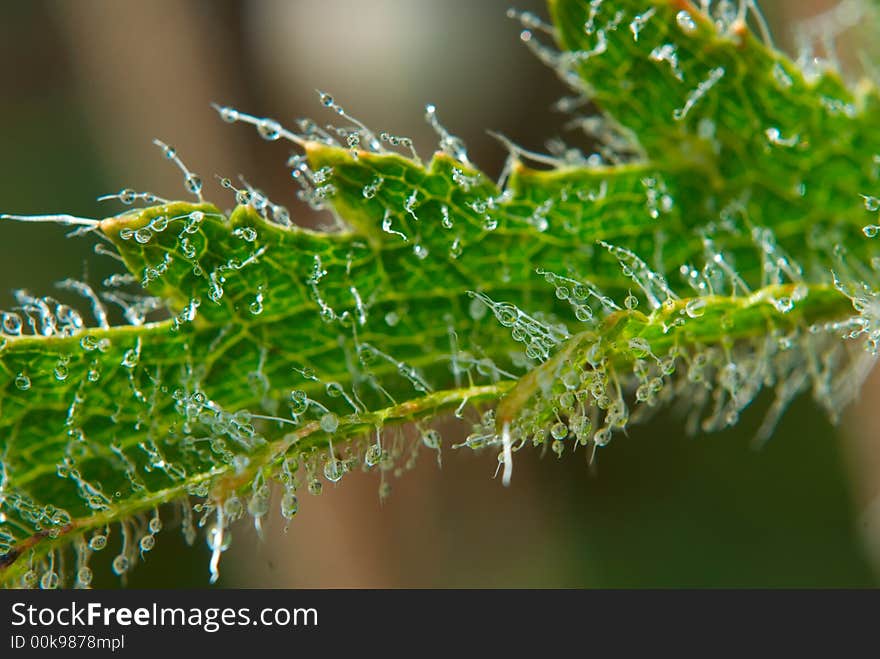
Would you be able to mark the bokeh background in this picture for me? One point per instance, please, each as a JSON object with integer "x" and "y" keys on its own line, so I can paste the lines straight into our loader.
{"x": 84, "y": 87}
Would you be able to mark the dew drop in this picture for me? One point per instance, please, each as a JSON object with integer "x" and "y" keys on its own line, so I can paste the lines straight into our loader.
{"x": 130, "y": 359}
{"x": 334, "y": 470}
{"x": 127, "y": 196}
{"x": 259, "y": 505}
{"x": 783, "y": 80}
{"x": 315, "y": 487}
{"x": 299, "y": 402}
{"x": 373, "y": 455}
{"x": 559, "y": 430}
{"x": 61, "y": 372}
{"x": 784, "y": 304}
{"x": 98, "y": 542}
{"x": 155, "y": 525}
{"x": 120, "y": 565}
{"x": 193, "y": 183}
{"x": 23, "y": 382}
{"x": 685, "y": 21}
{"x": 695, "y": 308}
{"x": 329, "y": 422}
{"x": 446, "y": 220}
{"x": 49, "y": 580}
{"x": 602, "y": 437}
{"x": 12, "y": 323}
{"x": 455, "y": 249}
{"x": 477, "y": 310}
{"x": 84, "y": 576}
{"x": 431, "y": 439}
{"x": 289, "y": 505}
{"x": 269, "y": 129}
{"x": 872, "y": 204}
{"x": 229, "y": 115}
{"x": 143, "y": 236}
{"x": 147, "y": 543}
{"x": 871, "y": 230}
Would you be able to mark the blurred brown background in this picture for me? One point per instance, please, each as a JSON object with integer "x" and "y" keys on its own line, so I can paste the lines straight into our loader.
{"x": 87, "y": 84}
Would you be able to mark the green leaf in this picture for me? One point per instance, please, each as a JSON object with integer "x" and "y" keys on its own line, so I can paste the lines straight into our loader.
{"x": 689, "y": 261}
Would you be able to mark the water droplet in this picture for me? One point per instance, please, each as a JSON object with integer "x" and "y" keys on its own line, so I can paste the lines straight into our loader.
{"x": 784, "y": 304}
{"x": 783, "y": 80}
{"x": 143, "y": 235}
{"x": 315, "y": 487}
{"x": 329, "y": 422}
{"x": 155, "y": 525}
{"x": 218, "y": 538}
{"x": 431, "y": 439}
{"x": 602, "y": 437}
{"x": 193, "y": 183}
{"x": 259, "y": 504}
{"x": 299, "y": 402}
{"x": 373, "y": 455}
{"x": 695, "y": 308}
{"x": 93, "y": 375}
{"x": 170, "y": 152}
{"x": 872, "y": 204}
{"x": 334, "y": 470}
{"x": 49, "y": 580}
{"x": 98, "y": 542}
{"x": 61, "y": 371}
{"x": 12, "y": 323}
{"x": 269, "y": 129}
{"x": 130, "y": 359}
{"x": 774, "y": 136}
{"x": 23, "y": 382}
{"x": 256, "y": 307}
{"x": 327, "y": 100}
{"x": 84, "y": 577}
{"x": 639, "y": 344}
{"x": 147, "y": 543}
{"x": 289, "y": 505}
{"x": 446, "y": 220}
{"x": 871, "y": 230}
{"x": 477, "y": 310}
{"x": 229, "y": 115}
{"x": 559, "y": 430}
{"x": 120, "y": 565}
{"x": 685, "y": 22}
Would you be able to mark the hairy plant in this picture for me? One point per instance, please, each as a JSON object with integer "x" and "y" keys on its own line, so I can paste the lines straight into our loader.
{"x": 717, "y": 242}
